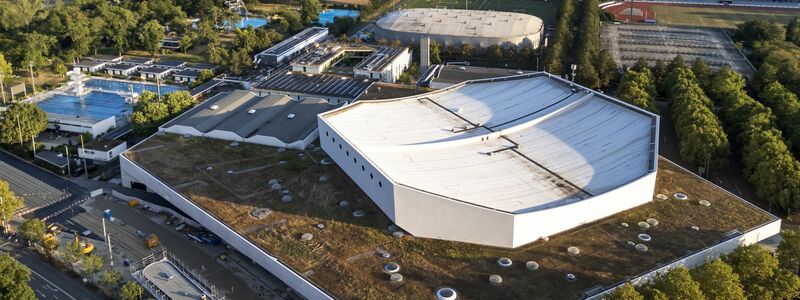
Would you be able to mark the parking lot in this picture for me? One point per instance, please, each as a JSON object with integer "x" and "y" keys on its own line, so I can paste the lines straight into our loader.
{"x": 628, "y": 43}
{"x": 227, "y": 270}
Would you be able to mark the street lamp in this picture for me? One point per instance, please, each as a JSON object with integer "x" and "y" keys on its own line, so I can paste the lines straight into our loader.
{"x": 33, "y": 81}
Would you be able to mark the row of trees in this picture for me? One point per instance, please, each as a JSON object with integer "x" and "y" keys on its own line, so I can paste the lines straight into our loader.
{"x": 638, "y": 87}
{"x": 767, "y": 162}
{"x": 702, "y": 139}
{"x": 750, "y": 272}
{"x": 238, "y": 57}
{"x": 786, "y": 107}
{"x": 20, "y": 122}
{"x": 595, "y": 67}
{"x": 150, "y": 111}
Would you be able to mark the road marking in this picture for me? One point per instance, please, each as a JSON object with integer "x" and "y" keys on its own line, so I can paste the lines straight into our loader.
{"x": 50, "y": 282}
{"x": 40, "y": 293}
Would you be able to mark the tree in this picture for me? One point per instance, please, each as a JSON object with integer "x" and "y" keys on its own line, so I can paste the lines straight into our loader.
{"x": 203, "y": 77}
{"x": 789, "y": 251}
{"x": 91, "y": 265}
{"x": 18, "y": 12}
{"x": 466, "y": 50}
{"x": 131, "y": 291}
{"x": 147, "y": 116}
{"x": 624, "y": 292}
{"x": 111, "y": 277}
{"x": 309, "y": 11}
{"x": 50, "y": 245}
{"x": 37, "y": 48}
{"x": 151, "y": 36}
{"x": 435, "y": 53}
{"x": 178, "y": 101}
{"x": 494, "y": 52}
{"x": 72, "y": 252}
{"x": 14, "y": 279}
{"x": 606, "y": 68}
{"x": 10, "y": 201}
{"x": 217, "y": 54}
{"x": 32, "y": 230}
{"x": 759, "y": 30}
{"x": 60, "y": 69}
{"x": 784, "y": 285}
{"x": 793, "y": 31}
{"x": 20, "y": 122}
{"x": 701, "y": 72}
{"x": 82, "y": 32}
{"x": 718, "y": 281}
{"x": 119, "y": 24}
{"x": 637, "y": 88}
{"x": 187, "y": 41}
{"x": 660, "y": 71}
{"x": 755, "y": 266}
{"x": 786, "y": 107}
{"x": 586, "y": 74}
{"x": 5, "y": 68}
{"x": 678, "y": 284}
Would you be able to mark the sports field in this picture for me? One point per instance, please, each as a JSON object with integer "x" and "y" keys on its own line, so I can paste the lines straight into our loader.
{"x": 720, "y": 17}
{"x": 546, "y": 10}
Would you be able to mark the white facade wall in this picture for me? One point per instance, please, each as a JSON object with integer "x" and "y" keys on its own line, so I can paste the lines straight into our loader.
{"x": 391, "y": 73}
{"x": 77, "y": 126}
{"x": 131, "y": 172}
{"x": 106, "y": 155}
{"x": 280, "y": 57}
{"x": 478, "y": 42}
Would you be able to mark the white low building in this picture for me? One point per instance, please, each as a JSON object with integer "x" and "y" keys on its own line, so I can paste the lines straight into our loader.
{"x": 101, "y": 150}
{"x": 385, "y": 64}
{"x": 80, "y": 125}
{"x": 529, "y": 155}
{"x": 292, "y": 46}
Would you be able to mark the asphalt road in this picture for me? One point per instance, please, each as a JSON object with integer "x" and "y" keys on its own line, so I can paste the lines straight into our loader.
{"x": 48, "y": 282}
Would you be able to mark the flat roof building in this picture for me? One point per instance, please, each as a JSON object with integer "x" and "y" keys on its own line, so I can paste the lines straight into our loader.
{"x": 102, "y": 150}
{"x": 81, "y": 124}
{"x": 384, "y": 64}
{"x": 335, "y": 89}
{"x": 457, "y": 26}
{"x": 527, "y": 153}
{"x": 291, "y": 46}
{"x": 243, "y": 116}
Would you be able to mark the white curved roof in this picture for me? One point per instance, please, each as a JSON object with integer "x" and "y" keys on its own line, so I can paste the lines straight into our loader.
{"x": 550, "y": 146}
{"x": 460, "y": 22}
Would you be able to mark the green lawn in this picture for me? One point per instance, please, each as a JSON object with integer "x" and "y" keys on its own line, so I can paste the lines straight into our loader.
{"x": 718, "y": 16}
{"x": 546, "y": 10}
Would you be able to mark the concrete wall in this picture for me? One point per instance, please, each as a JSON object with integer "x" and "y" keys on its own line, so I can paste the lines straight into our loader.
{"x": 230, "y": 136}
{"x": 530, "y": 226}
{"x": 132, "y": 172}
{"x": 77, "y": 126}
{"x": 477, "y": 42}
{"x": 703, "y": 256}
{"x": 103, "y": 155}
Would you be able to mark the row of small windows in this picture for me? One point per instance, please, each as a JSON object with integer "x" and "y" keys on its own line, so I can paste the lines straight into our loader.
{"x": 355, "y": 160}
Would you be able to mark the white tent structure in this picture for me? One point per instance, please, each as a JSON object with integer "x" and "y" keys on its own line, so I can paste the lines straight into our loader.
{"x": 499, "y": 162}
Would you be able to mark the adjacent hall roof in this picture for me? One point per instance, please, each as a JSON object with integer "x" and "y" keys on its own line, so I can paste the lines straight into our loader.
{"x": 246, "y": 114}
{"x": 316, "y": 84}
{"x": 460, "y": 22}
{"x": 514, "y": 144}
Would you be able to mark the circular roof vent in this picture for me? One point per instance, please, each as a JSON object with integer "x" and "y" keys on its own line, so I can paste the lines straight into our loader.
{"x": 344, "y": 203}
{"x": 641, "y": 248}
{"x": 532, "y": 266}
{"x": 681, "y": 196}
{"x": 652, "y": 222}
{"x": 661, "y": 197}
{"x": 209, "y": 168}
{"x": 320, "y": 226}
{"x": 695, "y": 228}
{"x": 260, "y": 213}
{"x": 504, "y": 262}
{"x": 276, "y": 186}
{"x": 396, "y": 278}
{"x": 644, "y": 237}
{"x": 495, "y": 280}
{"x": 286, "y": 198}
{"x": 234, "y": 144}
{"x": 623, "y": 224}
{"x": 391, "y": 267}
{"x": 229, "y": 172}
{"x": 324, "y": 178}
{"x": 359, "y": 213}
{"x": 398, "y": 234}
{"x": 644, "y": 225}
{"x": 306, "y": 236}
{"x": 571, "y": 277}
{"x": 446, "y": 293}
{"x": 574, "y": 250}
{"x": 705, "y": 203}
{"x": 272, "y": 181}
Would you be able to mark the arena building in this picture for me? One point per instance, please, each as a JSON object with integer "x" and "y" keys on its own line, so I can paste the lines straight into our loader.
{"x": 530, "y": 154}
{"x": 456, "y": 27}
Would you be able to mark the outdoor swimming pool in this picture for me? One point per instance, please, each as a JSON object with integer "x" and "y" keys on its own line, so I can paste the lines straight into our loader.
{"x": 251, "y": 21}
{"x": 101, "y": 102}
{"x": 326, "y": 16}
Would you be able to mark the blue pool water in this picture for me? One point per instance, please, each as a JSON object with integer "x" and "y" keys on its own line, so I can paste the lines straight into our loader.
{"x": 326, "y": 16}
{"x": 98, "y": 104}
{"x": 250, "y": 21}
